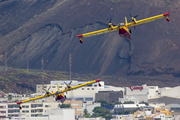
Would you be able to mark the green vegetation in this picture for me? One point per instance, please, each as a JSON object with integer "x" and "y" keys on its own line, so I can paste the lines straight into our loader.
{"x": 6, "y": 91}
{"x": 2, "y": 78}
{"x": 113, "y": 2}
{"x": 105, "y": 103}
{"x": 30, "y": 80}
{"x": 126, "y": 112}
{"x": 144, "y": 103}
{"x": 11, "y": 74}
{"x": 168, "y": 1}
{"x": 86, "y": 114}
{"x": 128, "y": 102}
{"x": 101, "y": 112}
{"x": 9, "y": 97}
{"x": 65, "y": 106}
{"x": 15, "y": 78}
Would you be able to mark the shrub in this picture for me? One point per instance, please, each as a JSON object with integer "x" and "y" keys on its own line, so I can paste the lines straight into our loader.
{"x": 30, "y": 80}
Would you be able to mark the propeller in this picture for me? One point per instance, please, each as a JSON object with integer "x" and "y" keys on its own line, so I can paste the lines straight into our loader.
{"x": 110, "y": 23}
{"x": 132, "y": 18}
{"x": 68, "y": 85}
{"x": 47, "y": 91}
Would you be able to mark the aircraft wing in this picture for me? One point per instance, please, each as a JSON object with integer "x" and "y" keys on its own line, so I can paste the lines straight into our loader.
{"x": 35, "y": 98}
{"x": 95, "y": 33}
{"x": 81, "y": 85}
{"x": 58, "y": 92}
{"x": 150, "y": 19}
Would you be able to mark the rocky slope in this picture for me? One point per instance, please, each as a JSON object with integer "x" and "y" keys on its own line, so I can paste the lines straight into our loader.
{"x": 32, "y": 30}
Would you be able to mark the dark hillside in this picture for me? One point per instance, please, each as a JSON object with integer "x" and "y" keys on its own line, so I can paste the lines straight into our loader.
{"x": 36, "y": 29}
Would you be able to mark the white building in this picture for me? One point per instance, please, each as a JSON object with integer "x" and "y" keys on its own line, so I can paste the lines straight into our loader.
{"x": 29, "y": 109}
{"x": 77, "y": 106}
{"x": 111, "y": 88}
{"x": 3, "y": 110}
{"x": 98, "y": 118}
{"x": 90, "y": 107}
{"x": 56, "y": 114}
{"x": 170, "y": 92}
{"x": 140, "y": 93}
{"x": 125, "y": 107}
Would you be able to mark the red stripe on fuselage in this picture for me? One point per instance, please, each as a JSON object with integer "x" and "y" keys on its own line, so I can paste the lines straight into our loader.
{"x": 124, "y": 33}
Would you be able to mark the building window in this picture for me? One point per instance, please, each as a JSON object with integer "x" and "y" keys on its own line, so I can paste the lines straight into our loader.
{"x": 89, "y": 99}
{"x": 47, "y": 106}
{"x": 40, "y": 110}
{"x": 53, "y": 86}
{"x": 82, "y": 88}
{"x": 33, "y": 115}
{"x": 39, "y": 105}
{"x": 87, "y": 88}
{"x": 10, "y": 106}
{"x": 33, "y": 111}
{"x": 10, "y": 111}
{"x": 16, "y": 111}
{"x": 92, "y": 88}
{"x": 95, "y": 85}
{"x": 80, "y": 99}
{"x": 16, "y": 106}
{"x": 2, "y": 111}
{"x": 33, "y": 105}
{"x": 3, "y": 107}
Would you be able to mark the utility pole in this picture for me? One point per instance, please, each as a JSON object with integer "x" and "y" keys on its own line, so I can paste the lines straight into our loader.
{"x": 70, "y": 64}
{"x": 6, "y": 61}
{"x": 27, "y": 65}
{"x": 42, "y": 72}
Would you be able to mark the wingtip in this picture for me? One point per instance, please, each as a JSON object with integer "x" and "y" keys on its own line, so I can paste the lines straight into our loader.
{"x": 98, "y": 80}
{"x": 19, "y": 102}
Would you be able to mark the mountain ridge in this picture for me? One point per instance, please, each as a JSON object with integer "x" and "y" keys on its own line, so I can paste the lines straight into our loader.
{"x": 48, "y": 32}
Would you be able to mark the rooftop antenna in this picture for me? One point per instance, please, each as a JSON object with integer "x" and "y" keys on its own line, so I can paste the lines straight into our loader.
{"x": 70, "y": 64}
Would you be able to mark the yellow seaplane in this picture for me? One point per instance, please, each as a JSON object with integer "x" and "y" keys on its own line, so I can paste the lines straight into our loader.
{"x": 60, "y": 93}
{"x": 123, "y": 28}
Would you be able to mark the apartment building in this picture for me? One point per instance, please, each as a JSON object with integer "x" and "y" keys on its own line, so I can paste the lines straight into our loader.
{"x": 77, "y": 106}
{"x": 3, "y": 110}
{"x": 30, "y": 109}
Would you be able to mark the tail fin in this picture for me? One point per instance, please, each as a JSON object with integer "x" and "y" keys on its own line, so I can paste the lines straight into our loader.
{"x": 58, "y": 87}
{"x": 125, "y": 21}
